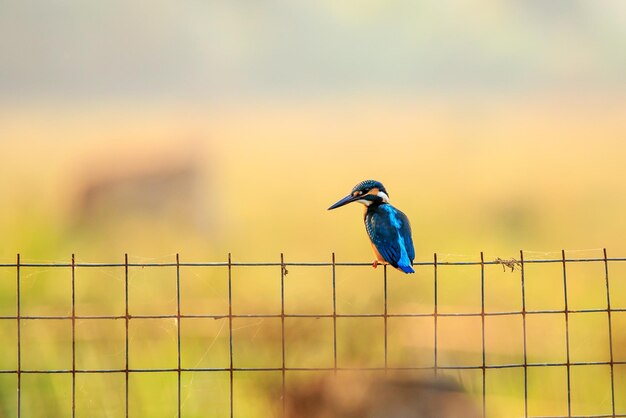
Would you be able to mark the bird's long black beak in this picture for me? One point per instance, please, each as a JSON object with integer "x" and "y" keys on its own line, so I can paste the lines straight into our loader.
{"x": 345, "y": 201}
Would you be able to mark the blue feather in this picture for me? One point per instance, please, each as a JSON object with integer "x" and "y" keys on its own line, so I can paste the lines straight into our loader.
{"x": 390, "y": 232}
{"x": 406, "y": 269}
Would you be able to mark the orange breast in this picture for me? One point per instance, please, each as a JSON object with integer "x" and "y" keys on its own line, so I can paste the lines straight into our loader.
{"x": 377, "y": 254}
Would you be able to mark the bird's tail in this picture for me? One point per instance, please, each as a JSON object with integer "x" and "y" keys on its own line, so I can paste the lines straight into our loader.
{"x": 406, "y": 269}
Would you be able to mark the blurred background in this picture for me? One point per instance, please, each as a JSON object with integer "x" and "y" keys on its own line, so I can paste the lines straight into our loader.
{"x": 207, "y": 127}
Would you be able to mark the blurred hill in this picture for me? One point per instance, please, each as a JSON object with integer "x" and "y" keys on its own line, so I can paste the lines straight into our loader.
{"x": 216, "y": 50}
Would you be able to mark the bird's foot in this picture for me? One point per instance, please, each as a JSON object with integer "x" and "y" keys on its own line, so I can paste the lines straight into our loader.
{"x": 375, "y": 263}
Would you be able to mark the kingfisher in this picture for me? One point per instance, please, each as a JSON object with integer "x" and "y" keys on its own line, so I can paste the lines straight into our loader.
{"x": 387, "y": 227}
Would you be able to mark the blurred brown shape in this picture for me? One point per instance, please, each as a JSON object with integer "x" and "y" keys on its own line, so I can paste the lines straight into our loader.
{"x": 165, "y": 186}
{"x": 355, "y": 396}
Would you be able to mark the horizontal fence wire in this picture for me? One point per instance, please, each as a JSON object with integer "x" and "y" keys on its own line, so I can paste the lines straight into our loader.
{"x": 302, "y": 264}
{"x": 356, "y": 315}
{"x": 525, "y": 365}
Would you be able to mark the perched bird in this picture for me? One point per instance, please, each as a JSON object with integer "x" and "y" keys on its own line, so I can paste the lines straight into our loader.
{"x": 388, "y": 228}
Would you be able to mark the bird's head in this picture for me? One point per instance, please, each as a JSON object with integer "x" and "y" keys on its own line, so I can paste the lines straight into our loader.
{"x": 366, "y": 192}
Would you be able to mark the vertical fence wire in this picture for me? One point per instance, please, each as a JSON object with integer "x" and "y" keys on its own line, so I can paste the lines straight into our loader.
{"x": 126, "y": 322}
{"x": 609, "y": 317}
{"x": 435, "y": 315}
{"x": 385, "y": 312}
{"x": 482, "y": 331}
{"x": 523, "y": 279}
{"x": 282, "y": 330}
{"x": 230, "y": 335}
{"x": 334, "y": 267}
{"x": 567, "y": 349}
{"x": 73, "y": 337}
{"x": 19, "y": 338}
{"x": 178, "y": 326}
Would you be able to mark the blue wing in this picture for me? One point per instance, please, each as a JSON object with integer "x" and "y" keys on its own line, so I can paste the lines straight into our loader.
{"x": 390, "y": 232}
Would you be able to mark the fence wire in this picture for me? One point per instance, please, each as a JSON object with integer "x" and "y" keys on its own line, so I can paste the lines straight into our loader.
{"x": 514, "y": 264}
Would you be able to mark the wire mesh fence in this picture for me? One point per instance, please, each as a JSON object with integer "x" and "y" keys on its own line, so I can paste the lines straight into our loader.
{"x": 606, "y": 370}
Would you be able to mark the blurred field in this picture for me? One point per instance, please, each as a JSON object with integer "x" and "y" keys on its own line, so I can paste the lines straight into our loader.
{"x": 473, "y": 175}
{"x": 498, "y": 175}
{"x": 208, "y": 128}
